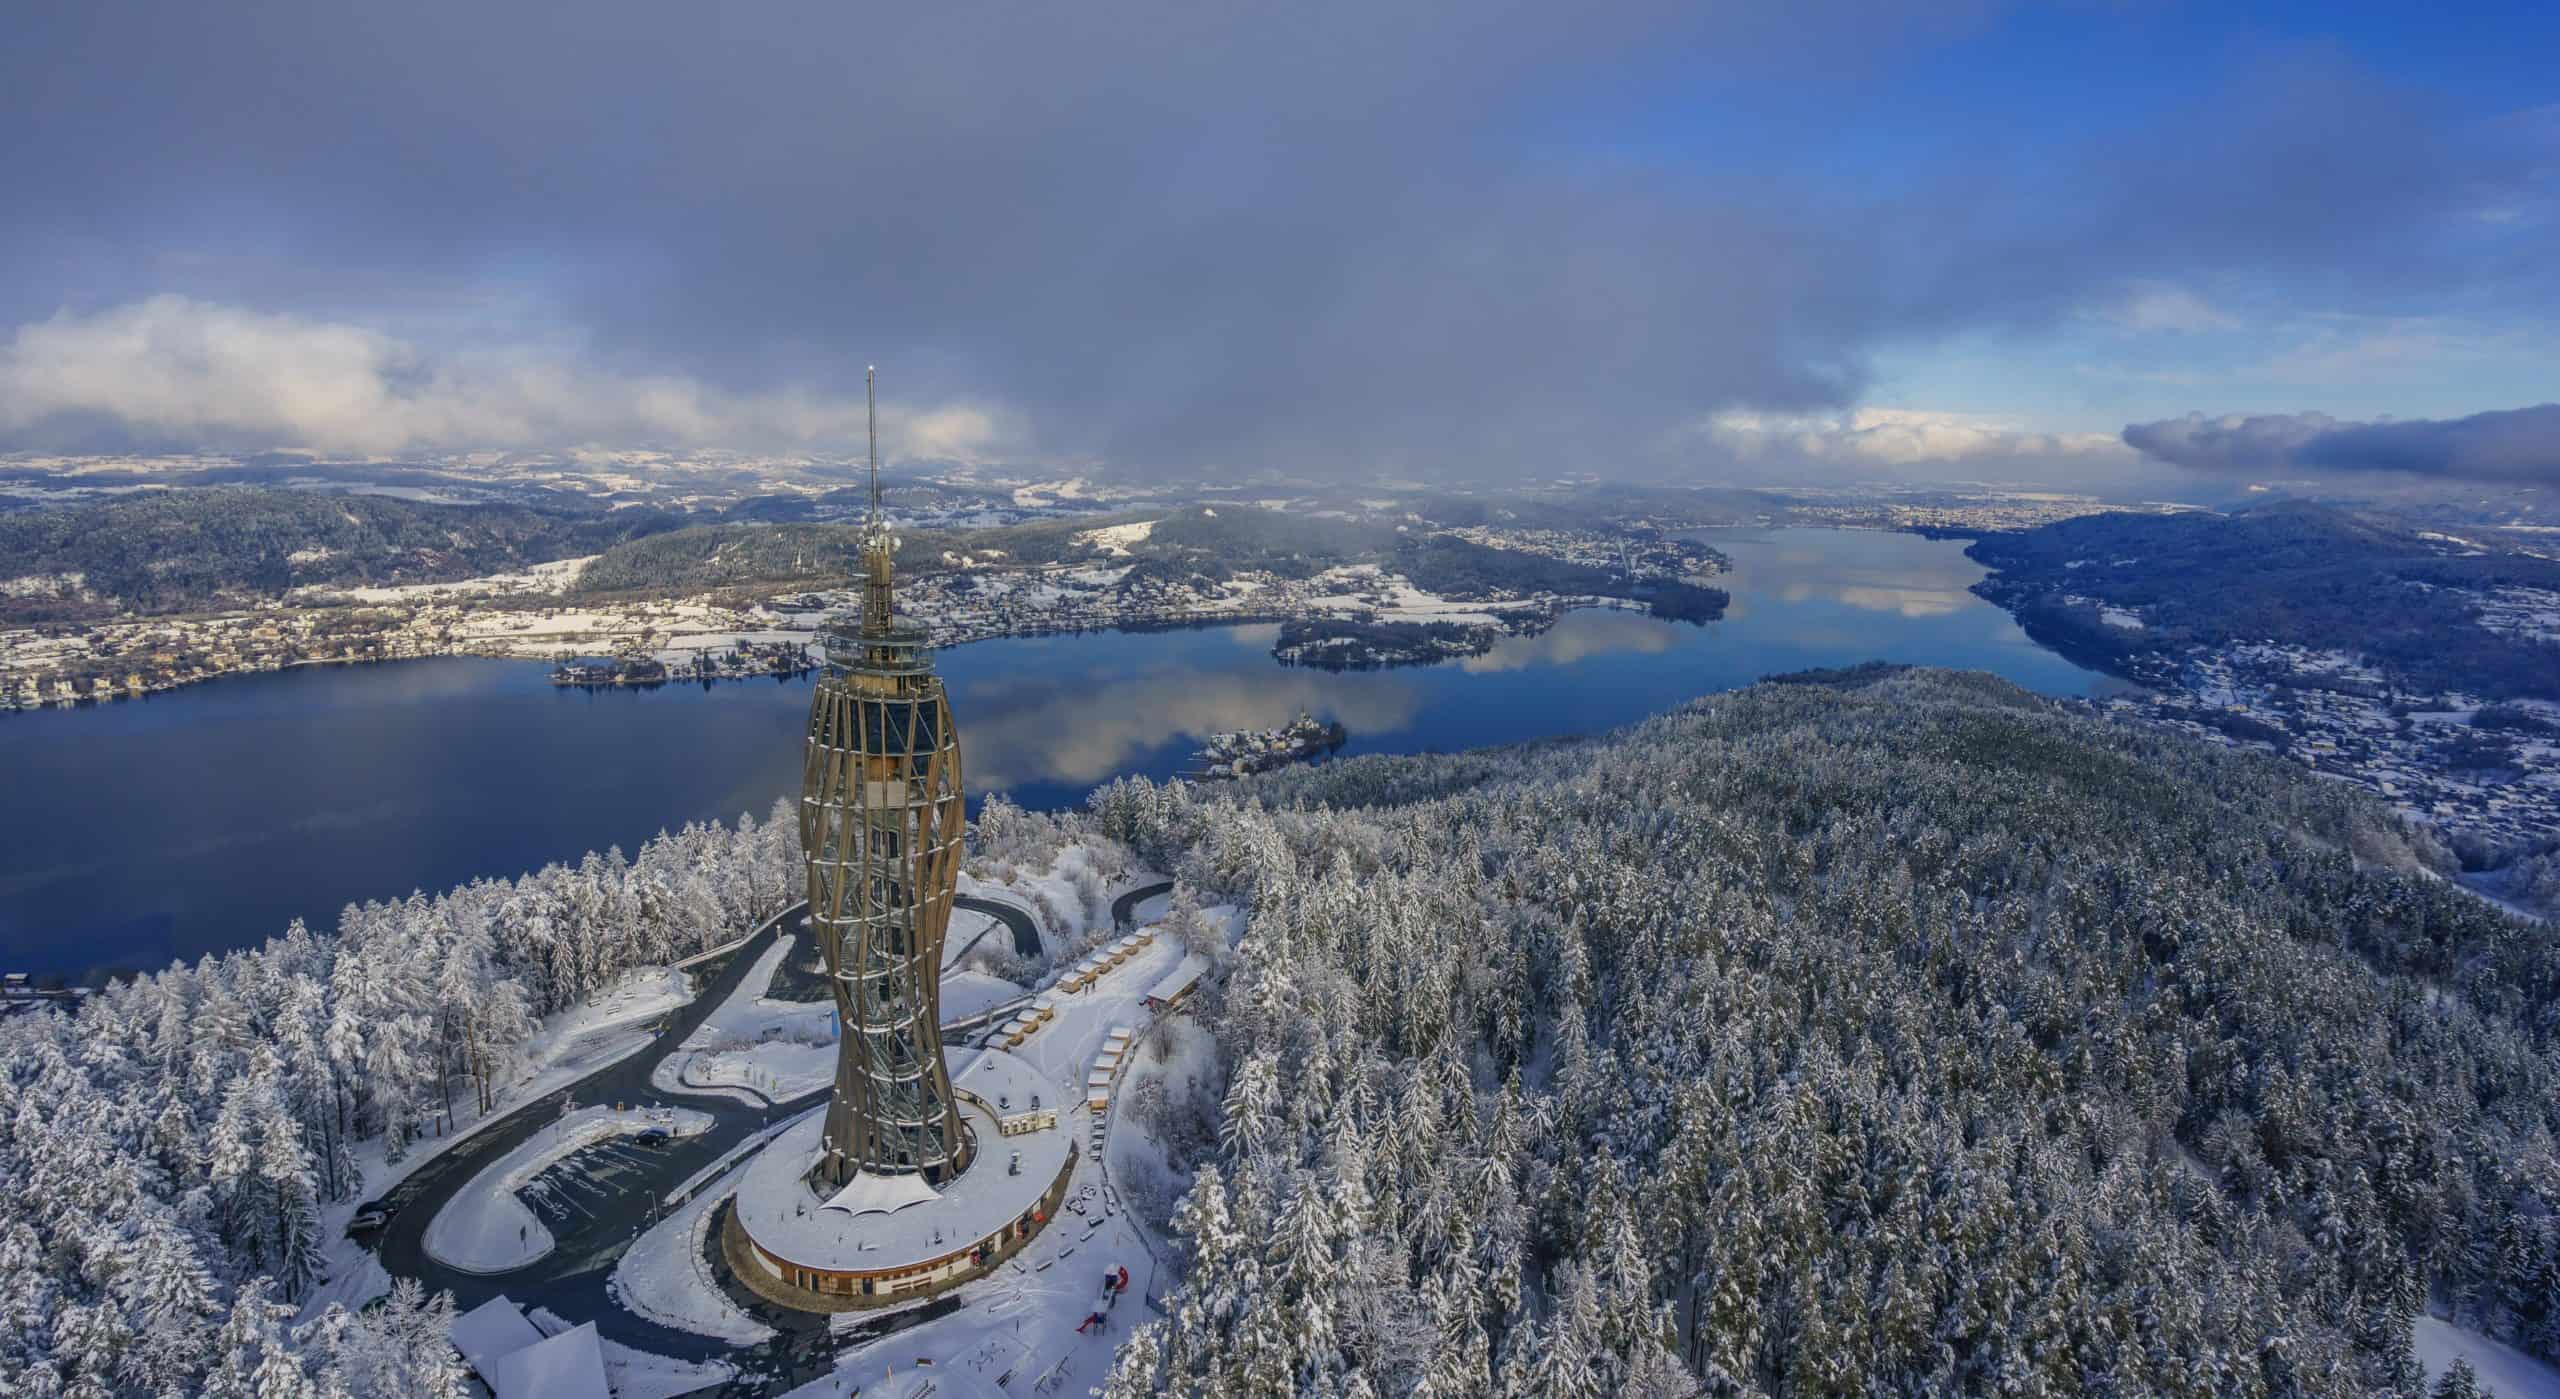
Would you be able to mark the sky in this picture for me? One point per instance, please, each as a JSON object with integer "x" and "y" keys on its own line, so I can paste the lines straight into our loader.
{"x": 1372, "y": 240}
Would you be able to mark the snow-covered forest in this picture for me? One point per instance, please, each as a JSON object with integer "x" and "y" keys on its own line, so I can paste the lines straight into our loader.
{"x": 1908, "y": 1037}
{"x": 1903, "y": 1035}
{"x": 169, "y": 1151}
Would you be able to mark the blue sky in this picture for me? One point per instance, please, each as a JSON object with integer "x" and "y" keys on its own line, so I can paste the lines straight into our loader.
{"x": 1646, "y": 239}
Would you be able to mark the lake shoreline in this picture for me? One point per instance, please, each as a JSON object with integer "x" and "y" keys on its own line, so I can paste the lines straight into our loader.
{"x": 212, "y": 816}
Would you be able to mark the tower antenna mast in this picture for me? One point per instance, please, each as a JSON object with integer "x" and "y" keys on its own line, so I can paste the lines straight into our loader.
{"x": 871, "y": 397}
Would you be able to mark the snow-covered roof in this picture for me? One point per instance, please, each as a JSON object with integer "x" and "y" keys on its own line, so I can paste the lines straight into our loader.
{"x": 777, "y": 1209}
{"x": 567, "y": 1366}
{"x": 871, "y": 1193}
{"x": 493, "y": 1329}
{"x": 1183, "y": 977}
{"x": 512, "y": 1356}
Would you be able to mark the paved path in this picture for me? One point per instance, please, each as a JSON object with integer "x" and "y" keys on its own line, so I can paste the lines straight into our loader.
{"x": 1026, "y": 934}
{"x": 570, "y": 1280}
{"x": 1124, "y": 909}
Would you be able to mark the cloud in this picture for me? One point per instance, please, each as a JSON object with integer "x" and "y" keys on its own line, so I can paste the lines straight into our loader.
{"x": 2520, "y": 445}
{"x": 1897, "y": 438}
{"x": 1330, "y": 238}
{"x": 173, "y": 369}
{"x": 2156, "y": 307}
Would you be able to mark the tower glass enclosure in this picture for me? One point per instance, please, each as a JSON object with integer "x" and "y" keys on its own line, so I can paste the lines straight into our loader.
{"x": 881, "y": 817}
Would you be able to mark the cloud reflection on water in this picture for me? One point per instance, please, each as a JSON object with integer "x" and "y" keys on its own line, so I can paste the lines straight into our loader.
{"x": 1902, "y": 574}
{"x": 1576, "y": 637}
{"x": 1035, "y": 729}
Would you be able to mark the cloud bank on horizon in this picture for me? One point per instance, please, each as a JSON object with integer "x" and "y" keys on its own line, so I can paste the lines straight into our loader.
{"x": 1638, "y": 237}
{"x": 2518, "y": 446}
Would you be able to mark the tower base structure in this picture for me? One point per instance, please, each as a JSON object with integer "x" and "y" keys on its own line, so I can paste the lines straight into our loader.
{"x": 883, "y": 1239}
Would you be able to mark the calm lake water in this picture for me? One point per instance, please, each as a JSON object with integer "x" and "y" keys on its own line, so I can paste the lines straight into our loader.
{"x": 206, "y": 818}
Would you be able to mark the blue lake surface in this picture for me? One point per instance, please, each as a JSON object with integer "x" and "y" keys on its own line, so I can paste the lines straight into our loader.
{"x": 205, "y": 819}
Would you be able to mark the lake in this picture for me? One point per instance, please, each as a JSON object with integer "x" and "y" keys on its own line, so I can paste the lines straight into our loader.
{"x": 206, "y": 818}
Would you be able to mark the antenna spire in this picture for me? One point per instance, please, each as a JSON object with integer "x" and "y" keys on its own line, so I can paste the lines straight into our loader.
{"x": 871, "y": 396}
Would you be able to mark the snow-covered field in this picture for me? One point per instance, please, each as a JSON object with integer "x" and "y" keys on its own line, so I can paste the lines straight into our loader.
{"x": 2501, "y": 1367}
{"x": 1349, "y": 588}
{"x": 1116, "y": 539}
{"x": 541, "y": 579}
{"x": 486, "y": 1228}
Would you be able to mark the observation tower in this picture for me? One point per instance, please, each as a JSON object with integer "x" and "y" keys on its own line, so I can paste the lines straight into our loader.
{"x": 880, "y": 825}
{"x": 888, "y": 1195}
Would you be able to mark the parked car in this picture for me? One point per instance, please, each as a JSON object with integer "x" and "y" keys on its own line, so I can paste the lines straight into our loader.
{"x": 369, "y": 1218}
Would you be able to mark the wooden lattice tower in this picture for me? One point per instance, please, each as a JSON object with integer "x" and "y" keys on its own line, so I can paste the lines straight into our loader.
{"x": 881, "y": 817}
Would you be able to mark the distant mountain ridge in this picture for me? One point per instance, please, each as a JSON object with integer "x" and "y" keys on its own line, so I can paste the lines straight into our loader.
{"x": 169, "y": 551}
{"x": 2291, "y": 571}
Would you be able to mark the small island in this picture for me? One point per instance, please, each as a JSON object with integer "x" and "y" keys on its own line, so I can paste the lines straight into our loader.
{"x": 1337, "y": 643}
{"x": 1246, "y": 751}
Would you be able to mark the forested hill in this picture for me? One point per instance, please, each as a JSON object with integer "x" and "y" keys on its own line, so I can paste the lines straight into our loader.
{"x": 1210, "y": 541}
{"x": 2310, "y": 575}
{"x": 1905, "y": 1034}
{"x": 176, "y": 550}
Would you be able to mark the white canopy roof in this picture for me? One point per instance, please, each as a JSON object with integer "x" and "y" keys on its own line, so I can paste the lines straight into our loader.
{"x": 493, "y": 1329}
{"x": 518, "y": 1362}
{"x": 567, "y": 1366}
{"x": 870, "y": 1193}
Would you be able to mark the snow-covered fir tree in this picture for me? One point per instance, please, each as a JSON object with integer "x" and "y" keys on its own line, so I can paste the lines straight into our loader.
{"x": 172, "y": 1148}
{"x": 1910, "y": 1036}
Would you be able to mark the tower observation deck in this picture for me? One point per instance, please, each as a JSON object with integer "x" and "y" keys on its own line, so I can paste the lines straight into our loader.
{"x": 881, "y": 817}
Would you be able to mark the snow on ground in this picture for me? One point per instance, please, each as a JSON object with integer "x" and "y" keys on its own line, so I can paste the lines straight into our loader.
{"x": 663, "y": 1276}
{"x": 356, "y": 1276}
{"x": 1056, "y": 897}
{"x": 1116, "y": 539}
{"x": 749, "y": 1012}
{"x": 2118, "y": 617}
{"x": 1034, "y": 1302}
{"x": 969, "y": 932}
{"x": 640, "y": 995}
{"x": 1150, "y": 908}
{"x": 637, "y": 1374}
{"x": 774, "y": 1048}
{"x": 776, "y": 1070}
{"x": 1141, "y": 1165}
{"x": 1349, "y": 587}
{"x": 965, "y": 994}
{"x": 2501, "y": 1367}
{"x": 570, "y": 1045}
{"x": 485, "y": 1228}
{"x": 542, "y": 578}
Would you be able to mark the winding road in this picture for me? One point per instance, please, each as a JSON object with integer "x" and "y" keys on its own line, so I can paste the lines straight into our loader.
{"x": 1124, "y": 909}
{"x": 570, "y": 1280}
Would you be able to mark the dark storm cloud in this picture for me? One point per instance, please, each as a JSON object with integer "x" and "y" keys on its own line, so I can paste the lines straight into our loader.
{"x": 2520, "y": 445}
{"x": 1324, "y": 237}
